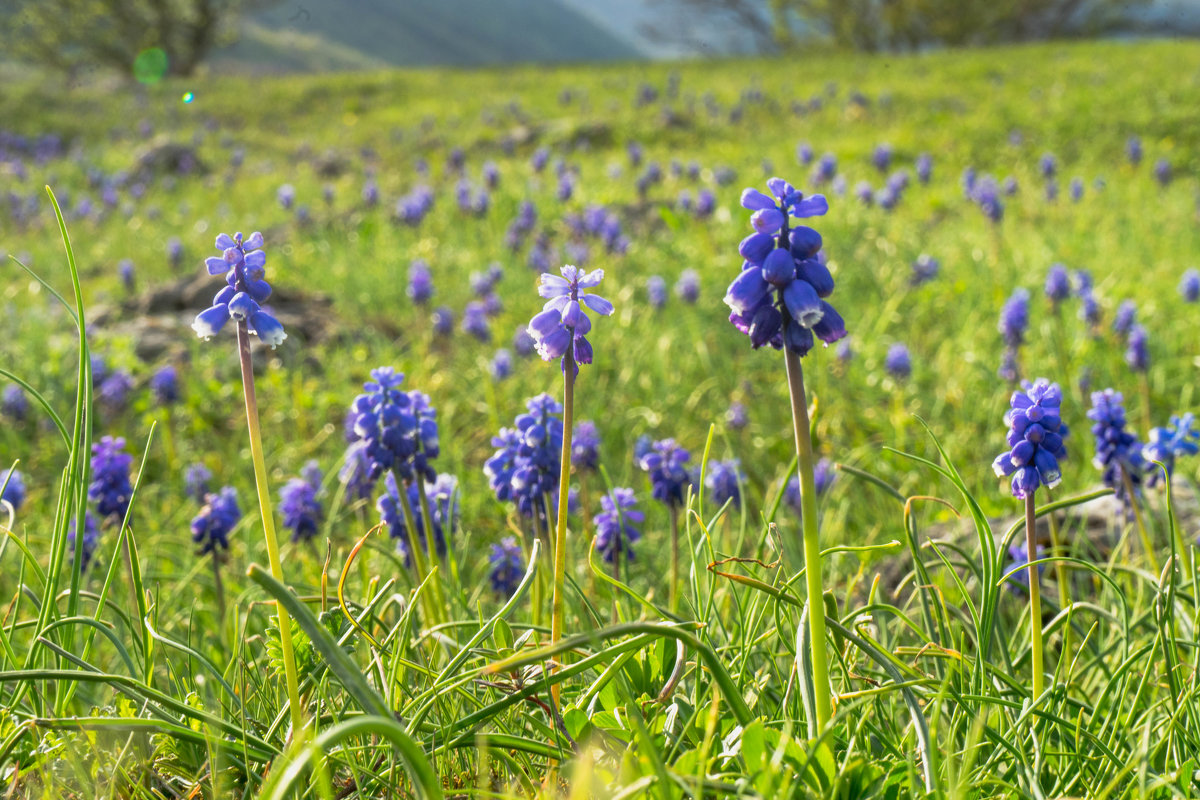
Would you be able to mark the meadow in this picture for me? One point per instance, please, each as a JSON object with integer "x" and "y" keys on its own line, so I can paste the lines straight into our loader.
{"x": 954, "y": 180}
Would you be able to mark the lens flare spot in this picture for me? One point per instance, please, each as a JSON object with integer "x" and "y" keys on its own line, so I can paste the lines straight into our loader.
{"x": 150, "y": 65}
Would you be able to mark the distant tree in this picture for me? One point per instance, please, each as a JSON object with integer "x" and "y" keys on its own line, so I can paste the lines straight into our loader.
{"x": 872, "y": 25}
{"x": 73, "y": 35}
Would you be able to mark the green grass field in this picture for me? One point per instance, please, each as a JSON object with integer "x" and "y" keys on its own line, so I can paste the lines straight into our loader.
{"x": 201, "y": 710}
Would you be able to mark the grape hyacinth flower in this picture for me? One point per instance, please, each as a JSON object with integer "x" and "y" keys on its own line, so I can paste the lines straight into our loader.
{"x": 1018, "y": 565}
{"x": 560, "y": 329}
{"x": 1035, "y": 436}
{"x": 826, "y": 169}
{"x": 501, "y": 364}
{"x": 475, "y": 321}
{"x": 924, "y": 167}
{"x": 114, "y": 391}
{"x": 392, "y": 507}
{"x": 196, "y": 481}
{"x": 355, "y": 473}
{"x": 616, "y": 529}
{"x": 14, "y": 404}
{"x": 736, "y": 416}
{"x": 881, "y": 157}
{"x": 1118, "y": 452}
{"x": 523, "y": 343}
{"x": 242, "y": 263}
{"x": 1133, "y": 150}
{"x": 668, "y": 476}
{"x": 688, "y": 286}
{"x": 90, "y": 540}
{"x": 298, "y": 504}
{"x": 722, "y": 479}
{"x": 1014, "y": 318}
{"x": 1189, "y": 287}
{"x": 1076, "y": 190}
{"x": 824, "y": 476}
{"x": 1125, "y": 318}
{"x": 110, "y": 488}
{"x": 585, "y": 447}
{"x": 898, "y": 362}
{"x": 1162, "y": 171}
{"x": 1048, "y": 166}
{"x": 443, "y": 321}
{"x": 506, "y": 567}
{"x": 777, "y": 298}
{"x": 127, "y": 275}
{"x": 12, "y": 489}
{"x": 1178, "y": 438}
{"x": 212, "y": 526}
{"x": 986, "y": 194}
{"x": 924, "y": 269}
{"x": 656, "y": 291}
{"x": 1058, "y": 285}
{"x": 164, "y": 385}
{"x": 420, "y": 282}
{"x": 1137, "y": 355}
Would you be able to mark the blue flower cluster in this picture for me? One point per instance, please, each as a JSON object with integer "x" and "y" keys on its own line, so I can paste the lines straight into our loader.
{"x": 219, "y": 516}
{"x": 243, "y": 263}
{"x": 507, "y": 566}
{"x": 1118, "y": 452}
{"x": 777, "y": 298}
{"x": 12, "y": 488}
{"x": 561, "y": 328}
{"x": 298, "y": 504}
{"x": 110, "y": 488}
{"x": 90, "y": 540}
{"x": 669, "y": 478}
{"x": 616, "y": 529}
{"x": 585, "y": 447}
{"x": 525, "y": 467}
{"x": 1035, "y": 436}
{"x": 1179, "y": 438}
{"x": 443, "y": 512}
{"x": 399, "y": 429}
{"x": 722, "y": 479}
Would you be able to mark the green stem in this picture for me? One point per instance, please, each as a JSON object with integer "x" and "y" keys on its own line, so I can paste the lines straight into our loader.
{"x": 1147, "y": 543}
{"x": 1060, "y": 574}
{"x": 268, "y": 519}
{"x": 1035, "y": 598}
{"x": 674, "y": 594}
{"x": 812, "y": 545}
{"x": 416, "y": 552}
{"x": 560, "y": 534}
{"x": 438, "y": 597}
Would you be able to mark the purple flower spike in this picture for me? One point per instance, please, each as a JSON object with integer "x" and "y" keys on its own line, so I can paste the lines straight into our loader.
{"x": 218, "y": 517}
{"x": 560, "y": 330}
{"x": 242, "y": 262}
{"x": 507, "y": 567}
{"x": 616, "y": 529}
{"x": 1118, "y": 452}
{"x": 110, "y": 488}
{"x": 1035, "y": 436}
{"x": 776, "y": 299}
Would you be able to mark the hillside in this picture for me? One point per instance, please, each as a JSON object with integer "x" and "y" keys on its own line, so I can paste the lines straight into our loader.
{"x": 319, "y": 35}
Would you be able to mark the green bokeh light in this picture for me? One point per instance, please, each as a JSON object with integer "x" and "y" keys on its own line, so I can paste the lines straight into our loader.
{"x": 150, "y": 66}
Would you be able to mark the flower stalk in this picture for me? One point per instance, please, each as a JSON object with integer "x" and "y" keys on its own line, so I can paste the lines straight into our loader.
{"x": 560, "y": 532}
{"x": 812, "y": 547}
{"x": 264, "y": 505}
